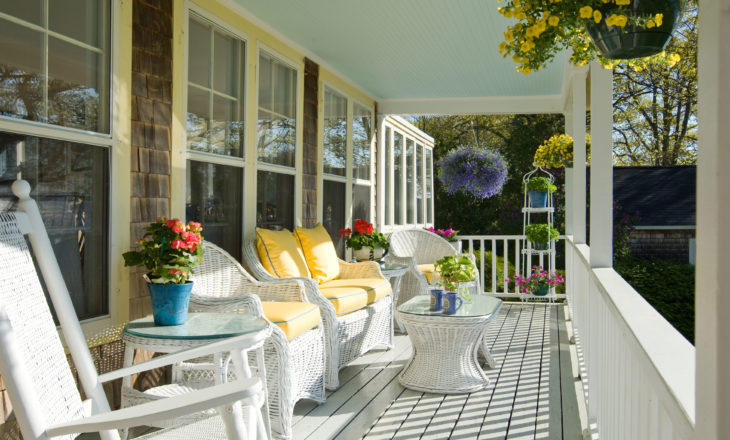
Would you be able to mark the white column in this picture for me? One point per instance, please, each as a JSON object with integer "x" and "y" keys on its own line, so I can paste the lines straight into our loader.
{"x": 569, "y": 173}
{"x": 601, "y": 166}
{"x": 578, "y": 125}
{"x": 712, "y": 299}
{"x": 380, "y": 219}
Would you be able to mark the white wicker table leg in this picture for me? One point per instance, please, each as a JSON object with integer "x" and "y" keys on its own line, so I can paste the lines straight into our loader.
{"x": 395, "y": 288}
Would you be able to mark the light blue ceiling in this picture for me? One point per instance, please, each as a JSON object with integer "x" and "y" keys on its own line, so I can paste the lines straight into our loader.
{"x": 409, "y": 49}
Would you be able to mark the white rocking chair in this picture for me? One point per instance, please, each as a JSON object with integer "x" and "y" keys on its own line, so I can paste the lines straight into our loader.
{"x": 38, "y": 378}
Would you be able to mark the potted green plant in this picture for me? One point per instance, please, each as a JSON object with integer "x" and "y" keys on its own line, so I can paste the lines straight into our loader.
{"x": 538, "y": 282}
{"x": 365, "y": 242}
{"x": 538, "y": 189}
{"x": 169, "y": 250}
{"x": 455, "y": 269}
{"x": 540, "y": 234}
{"x": 605, "y": 30}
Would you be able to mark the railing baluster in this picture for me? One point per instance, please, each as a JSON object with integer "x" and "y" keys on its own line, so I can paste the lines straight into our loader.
{"x": 482, "y": 256}
{"x": 505, "y": 266}
{"x": 494, "y": 265}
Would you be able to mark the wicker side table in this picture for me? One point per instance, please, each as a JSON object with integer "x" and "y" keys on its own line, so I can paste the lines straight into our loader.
{"x": 394, "y": 273}
{"x": 445, "y": 347}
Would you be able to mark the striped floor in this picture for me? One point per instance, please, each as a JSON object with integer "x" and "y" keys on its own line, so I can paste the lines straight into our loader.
{"x": 523, "y": 400}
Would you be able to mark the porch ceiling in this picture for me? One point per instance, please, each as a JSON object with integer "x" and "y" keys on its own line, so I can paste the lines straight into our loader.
{"x": 415, "y": 56}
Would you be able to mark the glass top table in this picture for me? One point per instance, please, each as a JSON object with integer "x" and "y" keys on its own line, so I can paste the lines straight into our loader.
{"x": 198, "y": 326}
{"x": 478, "y": 306}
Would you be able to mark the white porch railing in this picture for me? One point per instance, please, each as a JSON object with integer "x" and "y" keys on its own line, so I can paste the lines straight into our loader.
{"x": 638, "y": 371}
{"x": 507, "y": 246}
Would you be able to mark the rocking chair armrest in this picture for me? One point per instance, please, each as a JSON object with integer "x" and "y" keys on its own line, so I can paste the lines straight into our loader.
{"x": 146, "y": 413}
{"x": 249, "y": 341}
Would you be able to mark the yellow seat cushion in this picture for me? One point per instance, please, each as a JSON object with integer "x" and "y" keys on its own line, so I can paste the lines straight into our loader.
{"x": 293, "y": 318}
{"x": 349, "y": 295}
{"x": 427, "y": 270}
{"x": 319, "y": 252}
{"x": 279, "y": 253}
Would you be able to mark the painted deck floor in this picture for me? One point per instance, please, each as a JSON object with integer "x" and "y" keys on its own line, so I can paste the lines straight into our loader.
{"x": 523, "y": 400}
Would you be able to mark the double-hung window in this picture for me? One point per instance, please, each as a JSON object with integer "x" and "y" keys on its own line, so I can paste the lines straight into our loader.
{"x": 276, "y": 142}
{"x": 362, "y": 136}
{"x": 215, "y": 132}
{"x": 55, "y": 132}
{"x": 334, "y": 135}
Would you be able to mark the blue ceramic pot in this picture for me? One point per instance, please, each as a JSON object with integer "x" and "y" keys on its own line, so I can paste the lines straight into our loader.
{"x": 541, "y": 291}
{"x": 538, "y": 199}
{"x": 170, "y": 302}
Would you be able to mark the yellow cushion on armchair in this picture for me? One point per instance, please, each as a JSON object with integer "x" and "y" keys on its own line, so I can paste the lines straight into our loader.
{"x": 319, "y": 252}
{"x": 293, "y": 318}
{"x": 279, "y": 253}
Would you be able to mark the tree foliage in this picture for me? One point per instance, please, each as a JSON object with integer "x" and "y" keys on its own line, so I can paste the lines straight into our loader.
{"x": 655, "y": 106}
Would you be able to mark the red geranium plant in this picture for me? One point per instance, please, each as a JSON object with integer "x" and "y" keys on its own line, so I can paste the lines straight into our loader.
{"x": 169, "y": 250}
{"x": 364, "y": 235}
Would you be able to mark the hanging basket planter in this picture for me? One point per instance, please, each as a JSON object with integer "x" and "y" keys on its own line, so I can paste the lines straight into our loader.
{"x": 643, "y": 36}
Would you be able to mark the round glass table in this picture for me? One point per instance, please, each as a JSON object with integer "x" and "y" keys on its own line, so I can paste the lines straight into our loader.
{"x": 445, "y": 347}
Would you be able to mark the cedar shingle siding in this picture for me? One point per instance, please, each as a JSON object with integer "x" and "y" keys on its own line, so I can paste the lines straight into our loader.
{"x": 309, "y": 162}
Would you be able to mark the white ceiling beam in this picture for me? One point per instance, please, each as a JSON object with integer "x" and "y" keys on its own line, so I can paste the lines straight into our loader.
{"x": 473, "y": 106}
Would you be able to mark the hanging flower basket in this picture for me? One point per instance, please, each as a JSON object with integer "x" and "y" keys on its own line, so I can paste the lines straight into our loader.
{"x": 649, "y": 26}
{"x": 473, "y": 170}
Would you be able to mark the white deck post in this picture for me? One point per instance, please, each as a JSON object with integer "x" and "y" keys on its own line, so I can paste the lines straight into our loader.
{"x": 601, "y": 166}
{"x": 569, "y": 173}
{"x": 712, "y": 301}
{"x": 380, "y": 174}
{"x": 578, "y": 128}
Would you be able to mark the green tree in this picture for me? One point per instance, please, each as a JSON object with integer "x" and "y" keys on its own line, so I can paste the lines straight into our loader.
{"x": 655, "y": 108}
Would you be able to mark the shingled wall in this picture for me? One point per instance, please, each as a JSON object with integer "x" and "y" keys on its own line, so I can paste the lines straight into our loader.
{"x": 309, "y": 163}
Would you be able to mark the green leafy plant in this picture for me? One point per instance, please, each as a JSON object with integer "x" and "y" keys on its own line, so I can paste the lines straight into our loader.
{"x": 540, "y": 233}
{"x": 541, "y": 184}
{"x": 364, "y": 235}
{"x": 455, "y": 269}
{"x": 169, "y": 250}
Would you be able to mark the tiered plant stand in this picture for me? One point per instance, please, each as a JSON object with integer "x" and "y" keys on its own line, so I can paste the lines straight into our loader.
{"x": 537, "y": 257}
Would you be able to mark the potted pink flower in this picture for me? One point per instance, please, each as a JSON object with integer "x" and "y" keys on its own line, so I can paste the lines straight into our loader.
{"x": 448, "y": 235}
{"x": 538, "y": 282}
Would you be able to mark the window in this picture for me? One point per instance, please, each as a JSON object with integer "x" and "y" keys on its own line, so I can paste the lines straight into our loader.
{"x": 276, "y": 143}
{"x": 398, "y": 179}
{"x": 419, "y": 184}
{"x": 361, "y": 202}
{"x": 387, "y": 200}
{"x": 215, "y": 90}
{"x": 333, "y": 212}
{"x": 362, "y": 132}
{"x": 55, "y": 62}
{"x": 215, "y": 133}
{"x": 69, "y": 181}
{"x": 410, "y": 183}
{"x": 335, "y": 133}
{"x": 429, "y": 186}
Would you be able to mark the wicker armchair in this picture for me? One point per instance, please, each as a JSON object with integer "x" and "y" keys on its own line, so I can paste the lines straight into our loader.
{"x": 413, "y": 247}
{"x": 294, "y": 369}
{"x": 347, "y": 336}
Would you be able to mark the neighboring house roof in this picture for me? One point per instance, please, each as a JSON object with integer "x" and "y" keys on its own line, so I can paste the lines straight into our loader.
{"x": 663, "y": 196}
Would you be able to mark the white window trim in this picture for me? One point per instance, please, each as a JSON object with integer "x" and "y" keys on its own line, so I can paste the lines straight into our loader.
{"x": 206, "y": 157}
{"x": 299, "y": 142}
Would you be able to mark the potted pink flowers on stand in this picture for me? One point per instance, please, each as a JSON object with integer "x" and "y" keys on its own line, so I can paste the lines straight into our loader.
{"x": 538, "y": 283}
{"x": 448, "y": 235}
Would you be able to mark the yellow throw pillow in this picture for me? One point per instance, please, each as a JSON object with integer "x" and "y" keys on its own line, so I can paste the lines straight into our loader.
{"x": 319, "y": 252}
{"x": 279, "y": 253}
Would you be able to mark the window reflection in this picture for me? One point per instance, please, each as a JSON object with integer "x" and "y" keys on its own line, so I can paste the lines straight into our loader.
{"x": 277, "y": 112}
{"x": 361, "y": 202}
{"x": 335, "y": 133}
{"x": 275, "y": 200}
{"x": 398, "y": 178}
{"x": 333, "y": 213}
{"x": 410, "y": 182}
{"x": 361, "y": 137}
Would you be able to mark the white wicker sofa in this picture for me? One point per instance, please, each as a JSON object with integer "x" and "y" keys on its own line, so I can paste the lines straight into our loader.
{"x": 294, "y": 366}
{"x": 349, "y": 335}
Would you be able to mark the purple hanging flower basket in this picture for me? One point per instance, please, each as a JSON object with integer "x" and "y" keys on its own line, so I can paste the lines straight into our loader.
{"x": 474, "y": 171}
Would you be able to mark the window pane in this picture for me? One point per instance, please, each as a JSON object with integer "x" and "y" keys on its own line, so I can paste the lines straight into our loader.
{"x": 333, "y": 213}
{"x": 335, "y": 133}
{"x": 28, "y": 10}
{"x": 361, "y": 202}
{"x": 275, "y": 200}
{"x": 419, "y": 183}
{"x": 199, "y": 53}
{"x": 214, "y": 198}
{"x": 226, "y": 132}
{"x": 387, "y": 167}
{"x": 227, "y": 67}
{"x": 76, "y": 77}
{"x": 63, "y": 18}
{"x": 198, "y": 119}
{"x": 429, "y": 187}
{"x": 410, "y": 182}
{"x": 398, "y": 178}
{"x": 361, "y": 135}
{"x": 21, "y": 85}
{"x": 277, "y": 116}
{"x": 70, "y": 183}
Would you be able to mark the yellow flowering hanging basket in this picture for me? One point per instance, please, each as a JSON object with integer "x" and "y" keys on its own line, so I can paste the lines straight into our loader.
{"x": 557, "y": 152}
{"x": 605, "y": 30}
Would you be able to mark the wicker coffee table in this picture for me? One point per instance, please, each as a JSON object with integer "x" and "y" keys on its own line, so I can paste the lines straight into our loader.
{"x": 445, "y": 347}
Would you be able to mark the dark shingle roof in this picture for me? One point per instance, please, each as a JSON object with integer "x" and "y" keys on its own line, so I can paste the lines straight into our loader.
{"x": 663, "y": 196}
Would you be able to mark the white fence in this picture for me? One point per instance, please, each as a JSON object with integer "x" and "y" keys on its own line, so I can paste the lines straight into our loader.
{"x": 638, "y": 371}
{"x": 507, "y": 246}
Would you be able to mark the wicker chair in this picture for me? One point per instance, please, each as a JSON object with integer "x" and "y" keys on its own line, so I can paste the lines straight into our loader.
{"x": 39, "y": 380}
{"x": 413, "y": 247}
{"x": 347, "y": 336}
{"x": 294, "y": 369}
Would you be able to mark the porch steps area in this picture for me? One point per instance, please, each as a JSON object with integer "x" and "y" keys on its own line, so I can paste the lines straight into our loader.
{"x": 523, "y": 400}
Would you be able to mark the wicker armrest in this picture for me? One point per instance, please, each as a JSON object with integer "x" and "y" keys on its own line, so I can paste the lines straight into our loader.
{"x": 281, "y": 290}
{"x": 364, "y": 269}
{"x": 241, "y": 303}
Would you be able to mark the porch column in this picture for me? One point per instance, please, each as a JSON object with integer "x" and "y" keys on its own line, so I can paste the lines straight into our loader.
{"x": 601, "y": 166}
{"x": 380, "y": 173}
{"x": 712, "y": 301}
{"x": 569, "y": 173}
{"x": 578, "y": 125}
